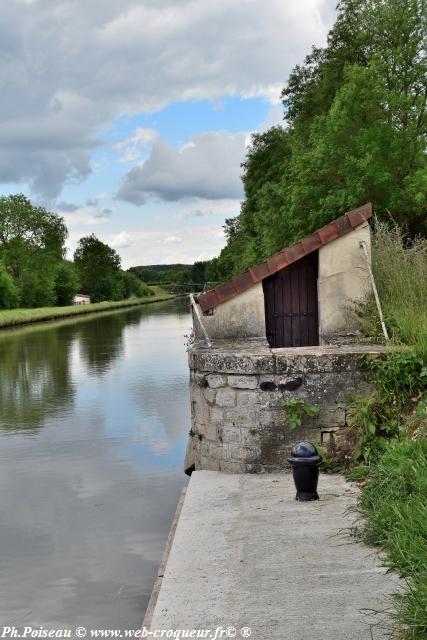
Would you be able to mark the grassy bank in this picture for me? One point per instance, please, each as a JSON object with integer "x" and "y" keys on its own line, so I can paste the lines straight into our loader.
{"x": 392, "y": 429}
{"x": 393, "y": 506}
{"x": 16, "y": 317}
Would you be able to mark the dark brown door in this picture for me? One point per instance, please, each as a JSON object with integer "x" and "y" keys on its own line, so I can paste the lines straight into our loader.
{"x": 291, "y": 309}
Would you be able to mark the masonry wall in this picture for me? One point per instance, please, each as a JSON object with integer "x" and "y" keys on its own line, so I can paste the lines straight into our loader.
{"x": 237, "y": 393}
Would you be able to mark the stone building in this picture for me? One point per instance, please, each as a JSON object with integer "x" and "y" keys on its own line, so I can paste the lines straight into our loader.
{"x": 282, "y": 330}
{"x": 299, "y": 296}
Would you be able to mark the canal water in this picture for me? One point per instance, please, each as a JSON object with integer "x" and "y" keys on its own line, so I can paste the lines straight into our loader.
{"x": 94, "y": 420}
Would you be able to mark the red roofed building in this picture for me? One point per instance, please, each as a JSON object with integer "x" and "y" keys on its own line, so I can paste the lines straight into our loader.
{"x": 299, "y": 296}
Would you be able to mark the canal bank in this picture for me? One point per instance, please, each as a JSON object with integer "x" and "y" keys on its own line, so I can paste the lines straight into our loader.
{"x": 246, "y": 555}
{"x": 19, "y": 317}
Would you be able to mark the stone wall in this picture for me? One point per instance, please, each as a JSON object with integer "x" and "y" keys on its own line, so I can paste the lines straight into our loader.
{"x": 237, "y": 393}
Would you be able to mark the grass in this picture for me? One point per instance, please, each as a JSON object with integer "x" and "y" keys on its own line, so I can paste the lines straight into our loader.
{"x": 393, "y": 506}
{"x": 400, "y": 271}
{"x": 393, "y": 499}
{"x": 16, "y": 317}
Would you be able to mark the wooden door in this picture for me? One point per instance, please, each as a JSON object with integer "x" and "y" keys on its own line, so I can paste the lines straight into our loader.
{"x": 291, "y": 307}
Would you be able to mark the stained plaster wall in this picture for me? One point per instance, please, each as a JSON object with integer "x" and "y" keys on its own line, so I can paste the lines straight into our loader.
{"x": 343, "y": 281}
{"x": 242, "y": 316}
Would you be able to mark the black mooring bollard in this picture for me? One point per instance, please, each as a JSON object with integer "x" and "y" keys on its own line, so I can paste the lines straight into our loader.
{"x": 305, "y": 469}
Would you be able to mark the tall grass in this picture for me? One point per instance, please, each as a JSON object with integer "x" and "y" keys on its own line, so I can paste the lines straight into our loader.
{"x": 393, "y": 505}
{"x": 400, "y": 270}
{"x": 393, "y": 500}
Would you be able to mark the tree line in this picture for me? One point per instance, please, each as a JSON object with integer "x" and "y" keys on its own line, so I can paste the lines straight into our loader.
{"x": 34, "y": 271}
{"x": 355, "y": 131}
{"x": 180, "y": 277}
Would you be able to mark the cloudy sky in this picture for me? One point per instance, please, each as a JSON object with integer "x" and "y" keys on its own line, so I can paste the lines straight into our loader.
{"x": 131, "y": 117}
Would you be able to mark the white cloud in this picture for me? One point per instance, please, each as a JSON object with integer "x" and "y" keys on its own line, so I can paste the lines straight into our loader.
{"x": 122, "y": 240}
{"x": 130, "y": 148}
{"x": 92, "y": 214}
{"x": 172, "y": 240}
{"x": 202, "y": 208}
{"x": 150, "y": 247}
{"x": 207, "y": 168}
{"x": 70, "y": 66}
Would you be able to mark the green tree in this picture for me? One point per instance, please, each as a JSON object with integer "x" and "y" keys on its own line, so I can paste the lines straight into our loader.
{"x": 357, "y": 132}
{"x": 133, "y": 286}
{"x": 29, "y": 233}
{"x": 37, "y": 288}
{"x": 98, "y": 266}
{"x": 9, "y": 295}
{"x": 66, "y": 283}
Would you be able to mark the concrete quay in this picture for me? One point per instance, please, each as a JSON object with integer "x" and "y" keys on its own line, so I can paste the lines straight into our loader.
{"x": 245, "y": 554}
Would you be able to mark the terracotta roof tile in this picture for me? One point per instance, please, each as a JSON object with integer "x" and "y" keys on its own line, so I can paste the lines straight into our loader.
{"x": 208, "y": 300}
{"x": 277, "y": 262}
{"x": 243, "y": 281}
{"x": 226, "y": 291}
{"x": 260, "y": 271}
{"x": 328, "y": 233}
{"x": 356, "y": 217}
{"x": 340, "y": 227}
{"x": 294, "y": 252}
{"x": 311, "y": 243}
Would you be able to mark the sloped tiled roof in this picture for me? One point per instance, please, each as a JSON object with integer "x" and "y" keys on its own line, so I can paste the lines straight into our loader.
{"x": 336, "y": 229}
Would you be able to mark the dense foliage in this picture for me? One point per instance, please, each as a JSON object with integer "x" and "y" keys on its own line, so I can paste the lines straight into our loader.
{"x": 356, "y": 132}
{"x": 33, "y": 269}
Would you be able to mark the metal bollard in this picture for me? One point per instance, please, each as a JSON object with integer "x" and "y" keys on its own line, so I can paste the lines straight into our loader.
{"x": 305, "y": 463}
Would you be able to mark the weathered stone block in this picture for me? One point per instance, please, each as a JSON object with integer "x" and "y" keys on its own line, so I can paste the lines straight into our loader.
{"x": 332, "y": 416}
{"x": 208, "y": 463}
{"x": 250, "y": 399}
{"x": 209, "y": 430}
{"x": 215, "y": 381}
{"x": 239, "y": 416}
{"x": 231, "y": 435}
{"x": 217, "y": 415}
{"x": 241, "y": 454}
{"x": 200, "y": 379}
{"x": 242, "y": 382}
{"x": 209, "y": 395}
{"x": 217, "y": 362}
{"x": 271, "y": 416}
{"x": 230, "y": 466}
{"x": 226, "y": 397}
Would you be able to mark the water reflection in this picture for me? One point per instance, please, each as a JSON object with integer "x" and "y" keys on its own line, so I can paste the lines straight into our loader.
{"x": 86, "y": 502}
{"x": 34, "y": 378}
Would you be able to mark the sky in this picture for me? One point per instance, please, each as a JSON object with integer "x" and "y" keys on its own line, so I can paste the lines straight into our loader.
{"x": 131, "y": 119}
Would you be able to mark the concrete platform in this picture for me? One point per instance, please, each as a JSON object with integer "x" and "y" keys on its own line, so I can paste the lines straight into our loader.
{"x": 246, "y": 554}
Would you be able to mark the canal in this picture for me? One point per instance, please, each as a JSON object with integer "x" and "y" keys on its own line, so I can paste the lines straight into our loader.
{"x": 94, "y": 419}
